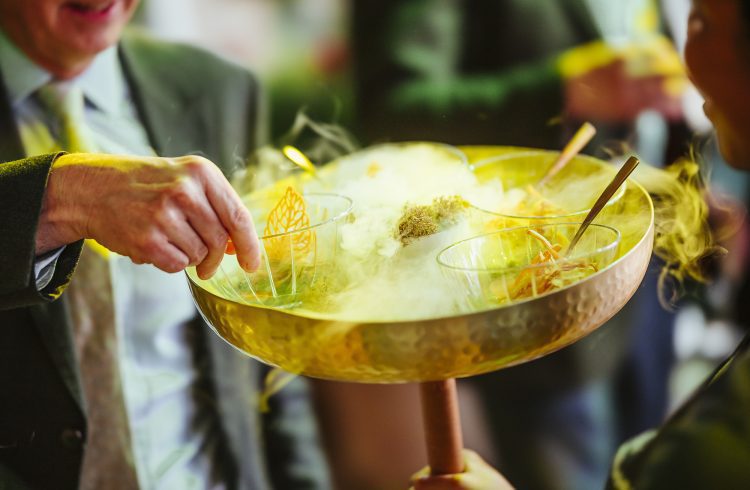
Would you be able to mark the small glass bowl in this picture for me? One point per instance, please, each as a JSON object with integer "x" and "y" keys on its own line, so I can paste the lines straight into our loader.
{"x": 293, "y": 263}
{"x": 510, "y": 265}
{"x": 570, "y": 194}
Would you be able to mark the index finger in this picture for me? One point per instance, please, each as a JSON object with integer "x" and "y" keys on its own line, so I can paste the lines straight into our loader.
{"x": 236, "y": 220}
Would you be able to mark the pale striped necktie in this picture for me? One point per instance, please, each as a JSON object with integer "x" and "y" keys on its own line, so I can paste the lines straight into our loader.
{"x": 108, "y": 458}
{"x": 66, "y": 104}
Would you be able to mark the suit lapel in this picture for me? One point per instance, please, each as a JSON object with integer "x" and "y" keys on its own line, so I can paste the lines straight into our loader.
{"x": 50, "y": 320}
{"x": 167, "y": 114}
{"x": 11, "y": 147}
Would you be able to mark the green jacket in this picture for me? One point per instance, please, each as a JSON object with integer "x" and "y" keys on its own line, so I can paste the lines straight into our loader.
{"x": 705, "y": 444}
{"x": 188, "y": 101}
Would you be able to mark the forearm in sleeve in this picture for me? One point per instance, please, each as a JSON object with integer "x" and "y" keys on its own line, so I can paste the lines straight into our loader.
{"x": 22, "y": 187}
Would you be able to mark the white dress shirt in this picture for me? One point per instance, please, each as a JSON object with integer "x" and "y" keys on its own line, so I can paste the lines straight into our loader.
{"x": 173, "y": 421}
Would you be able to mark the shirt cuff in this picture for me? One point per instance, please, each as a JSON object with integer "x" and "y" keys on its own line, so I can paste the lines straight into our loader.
{"x": 44, "y": 267}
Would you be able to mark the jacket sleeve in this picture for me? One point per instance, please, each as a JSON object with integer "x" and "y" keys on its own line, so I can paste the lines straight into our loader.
{"x": 22, "y": 186}
{"x": 705, "y": 444}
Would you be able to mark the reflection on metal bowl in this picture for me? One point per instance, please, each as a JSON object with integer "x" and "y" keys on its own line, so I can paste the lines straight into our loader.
{"x": 428, "y": 349}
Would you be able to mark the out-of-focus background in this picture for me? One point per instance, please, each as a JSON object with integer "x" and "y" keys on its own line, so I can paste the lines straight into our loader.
{"x": 299, "y": 49}
{"x": 514, "y": 72}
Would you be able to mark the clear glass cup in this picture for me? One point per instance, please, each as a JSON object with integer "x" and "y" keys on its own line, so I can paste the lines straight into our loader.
{"x": 516, "y": 264}
{"x": 566, "y": 198}
{"x": 296, "y": 264}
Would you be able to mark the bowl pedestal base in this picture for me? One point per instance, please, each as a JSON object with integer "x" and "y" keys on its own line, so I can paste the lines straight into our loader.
{"x": 442, "y": 426}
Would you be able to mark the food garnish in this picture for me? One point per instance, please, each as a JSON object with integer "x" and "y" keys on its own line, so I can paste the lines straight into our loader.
{"x": 289, "y": 214}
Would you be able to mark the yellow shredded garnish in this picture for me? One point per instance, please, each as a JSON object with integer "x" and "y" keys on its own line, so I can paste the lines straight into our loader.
{"x": 544, "y": 242}
{"x": 289, "y": 214}
{"x": 533, "y": 280}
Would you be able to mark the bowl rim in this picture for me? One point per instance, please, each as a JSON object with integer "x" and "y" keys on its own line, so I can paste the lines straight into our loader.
{"x": 322, "y": 319}
{"x": 507, "y": 156}
{"x": 332, "y": 219}
{"x": 611, "y": 245}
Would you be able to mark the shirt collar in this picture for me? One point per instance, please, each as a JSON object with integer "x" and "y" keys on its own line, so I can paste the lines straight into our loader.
{"x": 22, "y": 77}
{"x": 103, "y": 82}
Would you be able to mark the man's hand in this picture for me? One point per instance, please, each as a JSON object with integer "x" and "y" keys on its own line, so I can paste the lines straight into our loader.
{"x": 170, "y": 212}
{"x": 477, "y": 475}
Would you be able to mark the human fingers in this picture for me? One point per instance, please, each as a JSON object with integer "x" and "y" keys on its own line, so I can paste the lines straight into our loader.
{"x": 479, "y": 475}
{"x": 174, "y": 224}
{"x": 219, "y": 216}
{"x": 442, "y": 482}
{"x": 182, "y": 235}
{"x": 205, "y": 222}
{"x": 423, "y": 473}
{"x": 156, "y": 249}
{"x": 235, "y": 218}
{"x": 182, "y": 212}
{"x": 472, "y": 459}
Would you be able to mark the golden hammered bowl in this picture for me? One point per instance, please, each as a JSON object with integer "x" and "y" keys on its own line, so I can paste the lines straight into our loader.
{"x": 433, "y": 349}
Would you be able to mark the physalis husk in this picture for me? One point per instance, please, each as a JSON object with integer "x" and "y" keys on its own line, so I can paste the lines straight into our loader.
{"x": 289, "y": 214}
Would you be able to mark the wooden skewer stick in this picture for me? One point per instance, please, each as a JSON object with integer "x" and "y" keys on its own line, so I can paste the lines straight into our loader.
{"x": 575, "y": 145}
{"x": 442, "y": 427}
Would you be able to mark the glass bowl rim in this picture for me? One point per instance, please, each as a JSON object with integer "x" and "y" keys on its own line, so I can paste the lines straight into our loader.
{"x": 342, "y": 214}
{"x": 611, "y": 245}
{"x": 506, "y": 156}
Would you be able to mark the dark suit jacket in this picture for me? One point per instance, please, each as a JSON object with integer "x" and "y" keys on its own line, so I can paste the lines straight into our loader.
{"x": 705, "y": 444}
{"x": 189, "y": 101}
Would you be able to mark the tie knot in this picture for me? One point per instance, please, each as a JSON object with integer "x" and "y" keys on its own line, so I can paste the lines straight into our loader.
{"x": 63, "y": 99}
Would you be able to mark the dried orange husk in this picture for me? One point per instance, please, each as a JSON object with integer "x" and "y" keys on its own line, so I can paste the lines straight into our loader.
{"x": 555, "y": 276}
{"x": 533, "y": 281}
{"x": 289, "y": 215}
